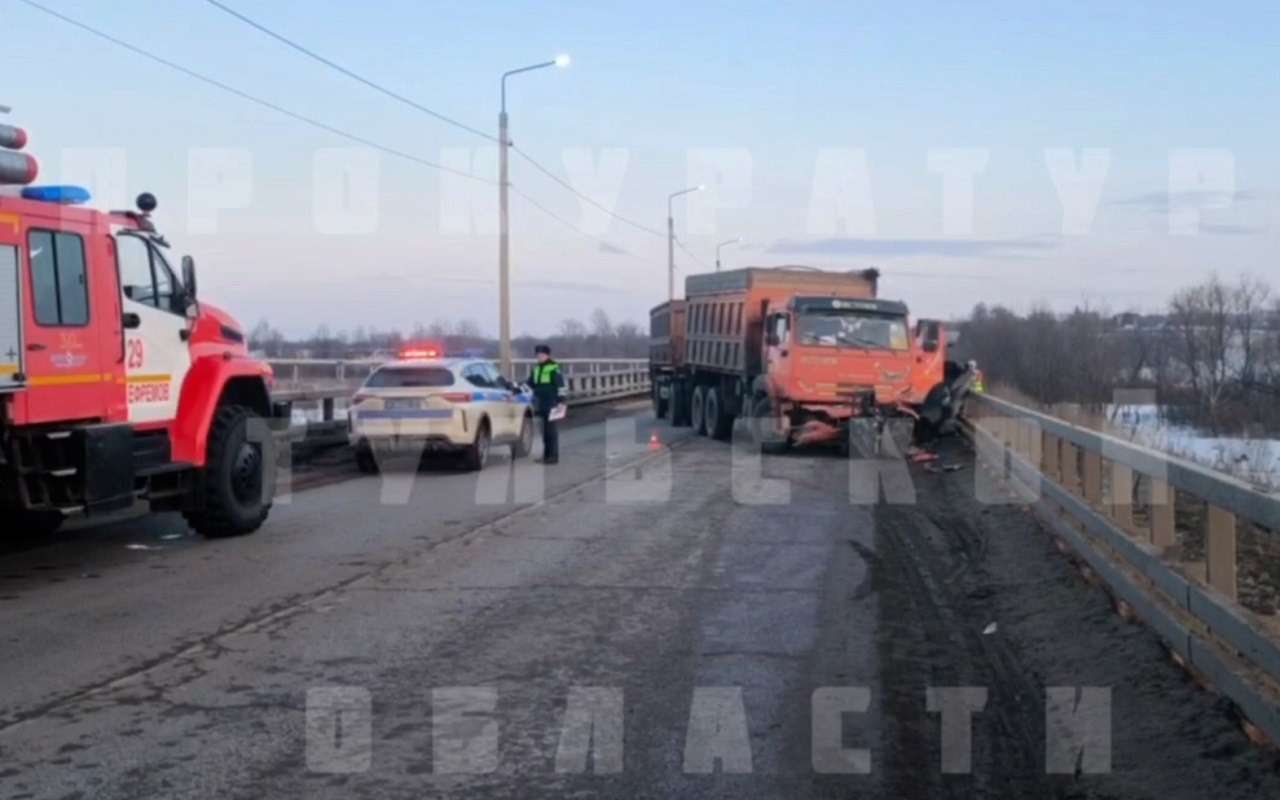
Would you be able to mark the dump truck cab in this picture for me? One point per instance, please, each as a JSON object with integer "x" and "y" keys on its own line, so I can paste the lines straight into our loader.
{"x": 117, "y": 382}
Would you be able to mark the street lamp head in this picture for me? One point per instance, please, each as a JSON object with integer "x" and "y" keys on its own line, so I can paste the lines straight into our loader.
{"x": 562, "y": 60}
{"x": 700, "y": 187}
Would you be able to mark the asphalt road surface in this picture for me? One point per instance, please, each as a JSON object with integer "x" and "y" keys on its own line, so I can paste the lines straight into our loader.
{"x": 633, "y": 622}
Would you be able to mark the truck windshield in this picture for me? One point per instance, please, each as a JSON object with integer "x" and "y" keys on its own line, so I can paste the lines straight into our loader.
{"x": 853, "y": 329}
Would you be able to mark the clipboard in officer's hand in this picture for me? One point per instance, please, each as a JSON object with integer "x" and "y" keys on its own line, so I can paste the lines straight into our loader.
{"x": 558, "y": 413}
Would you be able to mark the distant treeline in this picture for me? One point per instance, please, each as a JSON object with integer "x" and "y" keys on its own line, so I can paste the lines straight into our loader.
{"x": 1213, "y": 357}
{"x": 597, "y": 338}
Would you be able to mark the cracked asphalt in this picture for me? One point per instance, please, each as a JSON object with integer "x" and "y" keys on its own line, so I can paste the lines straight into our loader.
{"x": 139, "y": 661}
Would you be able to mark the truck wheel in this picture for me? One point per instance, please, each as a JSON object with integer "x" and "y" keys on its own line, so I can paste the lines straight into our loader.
{"x": 698, "y": 411}
{"x": 719, "y": 424}
{"x": 523, "y": 446}
{"x": 229, "y": 490}
{"x": 477, "y": 455}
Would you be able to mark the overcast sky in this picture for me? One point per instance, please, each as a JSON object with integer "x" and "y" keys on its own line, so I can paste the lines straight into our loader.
{"x": 1100, "y": 153}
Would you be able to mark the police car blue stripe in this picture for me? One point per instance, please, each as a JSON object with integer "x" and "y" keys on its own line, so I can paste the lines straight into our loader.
{"x": 422, "y": 413}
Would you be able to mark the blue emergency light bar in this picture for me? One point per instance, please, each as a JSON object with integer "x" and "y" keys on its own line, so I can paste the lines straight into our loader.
{"x": 62, "y": 195}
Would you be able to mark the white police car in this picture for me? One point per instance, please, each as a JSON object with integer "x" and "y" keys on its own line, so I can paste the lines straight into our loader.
{"x": 423, "y": 404}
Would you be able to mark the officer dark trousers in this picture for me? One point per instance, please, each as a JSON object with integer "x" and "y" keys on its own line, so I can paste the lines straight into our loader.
{"x": 550, "y": 437}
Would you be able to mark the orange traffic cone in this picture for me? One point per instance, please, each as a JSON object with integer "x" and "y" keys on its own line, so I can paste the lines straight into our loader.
{"x": 654, "y": 444}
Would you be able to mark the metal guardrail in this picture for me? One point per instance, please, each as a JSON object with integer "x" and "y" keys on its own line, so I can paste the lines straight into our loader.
{"x": 326, "y": 381}
{"x": 1090, "y": 477}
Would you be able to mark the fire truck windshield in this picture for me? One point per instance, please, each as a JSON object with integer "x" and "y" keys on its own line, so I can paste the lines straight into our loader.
{"x": 853, "y": 329}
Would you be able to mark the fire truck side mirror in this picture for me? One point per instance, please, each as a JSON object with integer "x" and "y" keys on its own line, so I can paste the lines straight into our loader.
{"x": 189, "y": 277}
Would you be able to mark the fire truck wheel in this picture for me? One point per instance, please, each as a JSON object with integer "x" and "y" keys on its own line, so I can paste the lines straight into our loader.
{"x": 229, "y": 492}
{"x": 477, "y": 455}
{"x": 523, "y": 446}
{"x": 698, "y": 411}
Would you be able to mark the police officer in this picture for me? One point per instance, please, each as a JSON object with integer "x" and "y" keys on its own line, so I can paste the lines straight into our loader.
{"x": 548, "y": 392}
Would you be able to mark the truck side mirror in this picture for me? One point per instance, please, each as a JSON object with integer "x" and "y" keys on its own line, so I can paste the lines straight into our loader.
{"x": 189, "y": 276}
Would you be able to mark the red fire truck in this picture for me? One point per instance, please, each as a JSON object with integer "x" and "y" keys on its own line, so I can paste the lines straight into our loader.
{"x": 116, "y": 383}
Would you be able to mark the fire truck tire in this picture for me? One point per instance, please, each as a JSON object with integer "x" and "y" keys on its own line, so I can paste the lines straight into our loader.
{"x": 229, "y": 490}
{"x": 719, "y": 424}
{"x": 477, "y": 455}
{"x": 698, "y": 411}
{"x": 522, "y": 447}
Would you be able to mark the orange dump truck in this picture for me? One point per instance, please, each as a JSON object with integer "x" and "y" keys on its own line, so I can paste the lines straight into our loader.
{"x": 799, "y": 353}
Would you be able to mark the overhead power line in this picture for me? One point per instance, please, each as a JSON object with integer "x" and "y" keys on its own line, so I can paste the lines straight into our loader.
{"x": 315, "y": 123}
{"x": 690, "y": 254}
{"x": 377, "y": 87}
{"x": 586, "y": 198}
{"x": 619, "y": 250}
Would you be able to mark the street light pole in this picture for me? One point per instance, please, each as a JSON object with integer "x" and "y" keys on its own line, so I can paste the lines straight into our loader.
{"x": 504, "y": 231}
{"x": 671, "y": 241}
{"x": 734, "y": 240}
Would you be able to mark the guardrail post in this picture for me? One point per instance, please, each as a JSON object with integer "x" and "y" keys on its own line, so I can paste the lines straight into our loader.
{"x": 1122, "y": 495}
{"x": 1093, "y": 478}
{"x": 1220, "y": 551}
{"x": 1050, "y": 457}
{"x": 1163, "y": 533}
{"x": 327, "y": 405}
{"x": 1069, "y": 468}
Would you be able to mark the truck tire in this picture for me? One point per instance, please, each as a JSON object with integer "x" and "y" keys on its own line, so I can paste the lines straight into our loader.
{"x": 229, "y": 490}
{"x": 698, "y": 411}
{"x": 719, "y": 425}
{"x": 523, "y": 446}
{"x": 477, "y": 455}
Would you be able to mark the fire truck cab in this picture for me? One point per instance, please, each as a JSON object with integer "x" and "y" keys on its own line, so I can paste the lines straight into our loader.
{"x": 117, "y": 383}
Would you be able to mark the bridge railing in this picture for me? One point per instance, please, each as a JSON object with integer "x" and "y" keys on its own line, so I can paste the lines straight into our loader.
{"x": 1163, "y": 532}
{"x": 329, "y": 382}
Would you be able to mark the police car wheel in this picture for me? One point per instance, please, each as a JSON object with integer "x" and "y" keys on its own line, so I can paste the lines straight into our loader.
{"x": 523, "y": 446}
{"x": 478, "y": 453}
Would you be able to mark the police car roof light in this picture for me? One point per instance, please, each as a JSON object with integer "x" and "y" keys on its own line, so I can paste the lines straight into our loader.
{"x": 419, "y": 352}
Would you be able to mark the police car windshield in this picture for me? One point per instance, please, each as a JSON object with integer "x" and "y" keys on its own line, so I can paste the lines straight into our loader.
{"x": 410, "y": 378}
